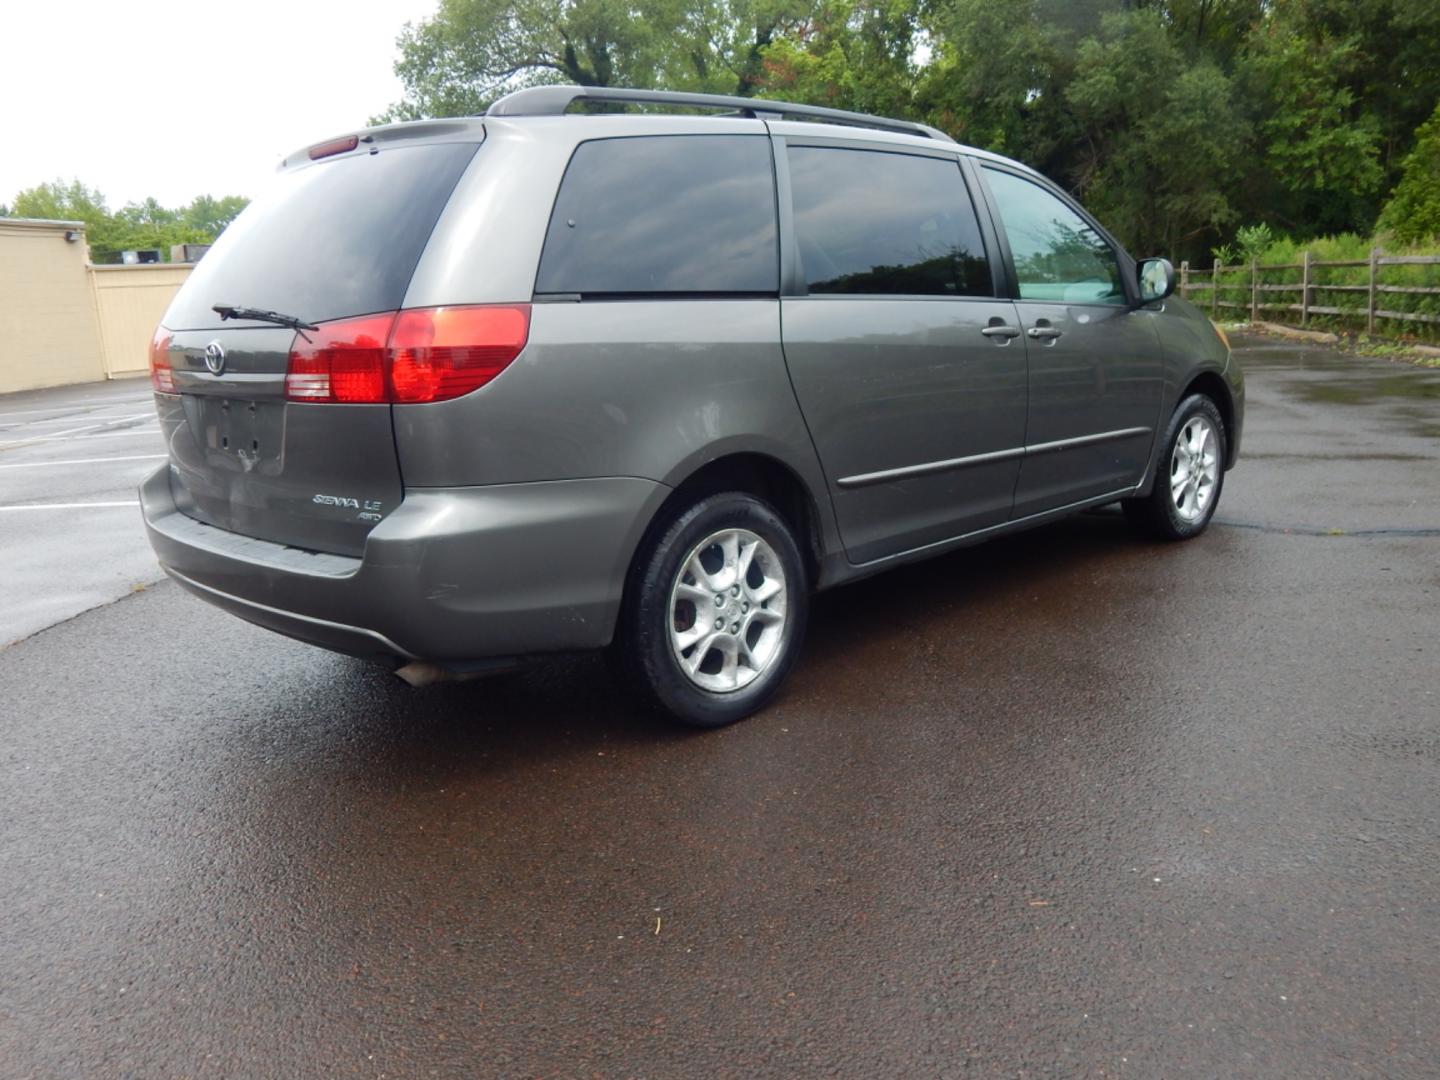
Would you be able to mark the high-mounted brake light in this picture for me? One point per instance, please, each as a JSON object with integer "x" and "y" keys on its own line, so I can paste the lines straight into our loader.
{"x": 334, "y": 146}
{"x": 413, "y": 356}
{"x": 162, "y": 376}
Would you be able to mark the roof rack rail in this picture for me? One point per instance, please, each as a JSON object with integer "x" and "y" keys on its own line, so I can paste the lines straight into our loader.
{"x": 554, "y": 100}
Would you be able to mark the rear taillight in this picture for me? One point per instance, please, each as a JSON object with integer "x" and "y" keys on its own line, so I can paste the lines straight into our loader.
{"x": 162, "y": 376}
{"x": 441, "y": 353}
{"x": 342, "y": 361}
{"x": 418, "y": 355}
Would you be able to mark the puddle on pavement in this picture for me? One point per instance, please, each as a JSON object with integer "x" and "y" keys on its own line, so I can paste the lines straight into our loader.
{"x": 1264, "y": 353}
{"x": 1366, "y": 391}
{"x": 1321, "y": 375}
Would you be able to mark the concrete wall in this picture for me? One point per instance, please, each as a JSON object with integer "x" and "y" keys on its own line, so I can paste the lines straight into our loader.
{"x": 64, "y": 321}
{"x": 130, "y": 301}
{"x": 49, "y": 330}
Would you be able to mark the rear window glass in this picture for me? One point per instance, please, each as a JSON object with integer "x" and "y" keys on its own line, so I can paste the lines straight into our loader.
{"x": 871, "y": 222}
{"x": 664, "y": 214}
{"x": 333, "y": 239}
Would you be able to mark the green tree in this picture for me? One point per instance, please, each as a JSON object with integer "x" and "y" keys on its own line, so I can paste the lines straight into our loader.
{"x": 60, "y": 201}
{"x": 1253, "y": 241}
{"x": 136, "y": 226}
{"x": 996, "y": 77}
{"x": 210, "y": 215}
{"x": 146, "y": 225}
{"x": 73, "y": 201}
{"x": 1175, "y": 120}
{"x": 148, "y": 214}
{"x": 1215, "y": 29}
{"x": 722, "y": 46}
{"x": 1318, "y": 155}
{"x": 1155, "y": 155}
{"x": 472, "y": 51}
{"x": 847, "y": 56}
{"x": 1392, "y": 72}
{"x": 1412, "y": 215}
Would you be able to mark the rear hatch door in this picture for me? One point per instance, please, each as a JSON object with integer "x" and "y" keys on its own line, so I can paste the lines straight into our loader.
{"x": 333, "y": 239}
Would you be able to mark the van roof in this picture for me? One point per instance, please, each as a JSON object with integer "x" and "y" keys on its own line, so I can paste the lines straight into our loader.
{"x": 556, "y": 100}
{"x": 553, "y": 102}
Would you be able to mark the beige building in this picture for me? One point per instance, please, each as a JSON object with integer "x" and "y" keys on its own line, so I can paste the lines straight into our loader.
{"x": 65, "y": 321}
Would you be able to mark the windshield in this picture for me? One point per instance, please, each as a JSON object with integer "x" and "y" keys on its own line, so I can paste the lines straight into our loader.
{"x": 329, "y": 240}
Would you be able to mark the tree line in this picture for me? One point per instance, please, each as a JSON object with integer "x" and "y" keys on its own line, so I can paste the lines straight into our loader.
{"x": 135, "y": 226}
{"x": 1178, "y": 122}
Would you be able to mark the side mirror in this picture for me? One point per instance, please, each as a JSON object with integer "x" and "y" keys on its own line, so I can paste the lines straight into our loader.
{"x": 1157, "y": 280}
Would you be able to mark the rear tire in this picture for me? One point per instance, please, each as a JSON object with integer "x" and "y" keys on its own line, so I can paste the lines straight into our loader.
{"x": 1188, "y": 475}
{"x": 715, "y": 611}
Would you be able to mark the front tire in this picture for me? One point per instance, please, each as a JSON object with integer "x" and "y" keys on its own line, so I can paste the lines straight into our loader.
{"x": 1189, "y": 474}
{"x": 715, "y": 611}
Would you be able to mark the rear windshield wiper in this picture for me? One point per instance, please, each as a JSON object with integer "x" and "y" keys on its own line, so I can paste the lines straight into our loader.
{"x": 230, "y": 311}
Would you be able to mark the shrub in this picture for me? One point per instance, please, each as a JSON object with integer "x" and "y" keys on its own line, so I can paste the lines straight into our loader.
{"x": 1413, "y": 213}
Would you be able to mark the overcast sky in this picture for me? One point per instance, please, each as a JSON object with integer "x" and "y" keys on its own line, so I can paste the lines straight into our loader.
{"x": 177, "y": 98}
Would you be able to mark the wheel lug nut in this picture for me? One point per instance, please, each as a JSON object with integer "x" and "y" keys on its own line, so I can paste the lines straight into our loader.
{"x": 719, "y": 624}
{"x": 734, "y": 628}
{"x": 719, "y": 599}
{"x": 745, "y": 607}
{"x": 734, "y": 590}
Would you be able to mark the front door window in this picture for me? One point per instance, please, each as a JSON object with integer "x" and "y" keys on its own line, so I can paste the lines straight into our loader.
{"x": 1059, "y": 256}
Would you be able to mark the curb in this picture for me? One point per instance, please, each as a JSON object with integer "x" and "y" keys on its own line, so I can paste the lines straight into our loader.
{"x": 1295, "y": 334}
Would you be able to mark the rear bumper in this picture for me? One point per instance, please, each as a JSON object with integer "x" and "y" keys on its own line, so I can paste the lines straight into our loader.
{"x": 451, "y": 574}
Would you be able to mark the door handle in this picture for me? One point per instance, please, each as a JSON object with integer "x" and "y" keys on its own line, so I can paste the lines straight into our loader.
{"x": 1042, "y": 332}
{"x": 1000, "y": 331}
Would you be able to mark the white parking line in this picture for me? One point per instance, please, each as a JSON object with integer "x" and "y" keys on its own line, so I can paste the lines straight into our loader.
{"x": 143, "y": 430}
{"x": 89, "y": 417}
{"x": 74, "y": 433}
{"x": 67, "y": 506}
{"x": 94, "y": 403}
{"x": 82, "y": 461}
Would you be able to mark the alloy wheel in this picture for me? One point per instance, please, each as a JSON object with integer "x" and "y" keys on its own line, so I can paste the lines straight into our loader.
{"x": 728, "y": 610}
{"x": 1194, "y": 468}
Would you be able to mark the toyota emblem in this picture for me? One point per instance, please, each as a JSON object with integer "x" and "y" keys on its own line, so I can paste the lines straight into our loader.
{"x": 215, "y": 358}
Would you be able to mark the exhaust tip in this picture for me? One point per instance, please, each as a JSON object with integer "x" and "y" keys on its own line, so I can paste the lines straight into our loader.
{"x": 420, "y": 673}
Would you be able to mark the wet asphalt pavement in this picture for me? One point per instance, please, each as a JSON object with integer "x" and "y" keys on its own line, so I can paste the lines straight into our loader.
{"x": 70, "y": 460}
{"x": 1066, "y": 804}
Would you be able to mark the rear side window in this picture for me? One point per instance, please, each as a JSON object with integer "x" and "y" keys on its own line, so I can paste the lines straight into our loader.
{"x": 664, "y": 214}
{"x": 337, "y": 238}
{"x": 875, "y": 222}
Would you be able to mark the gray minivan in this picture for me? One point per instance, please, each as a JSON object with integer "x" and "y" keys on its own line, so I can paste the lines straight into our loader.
{"x": 458, "y": 391}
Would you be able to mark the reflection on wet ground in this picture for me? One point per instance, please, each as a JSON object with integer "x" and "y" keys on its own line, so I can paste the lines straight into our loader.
{"x": 1370, "y": 390}
{"x": 1327, "y": 376}
{"x": 1343, "y": 443}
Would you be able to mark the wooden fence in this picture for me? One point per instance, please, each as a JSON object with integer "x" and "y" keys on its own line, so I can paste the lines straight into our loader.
{"x": 130, "y": 301}
{"x": 1267, "y": 295}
